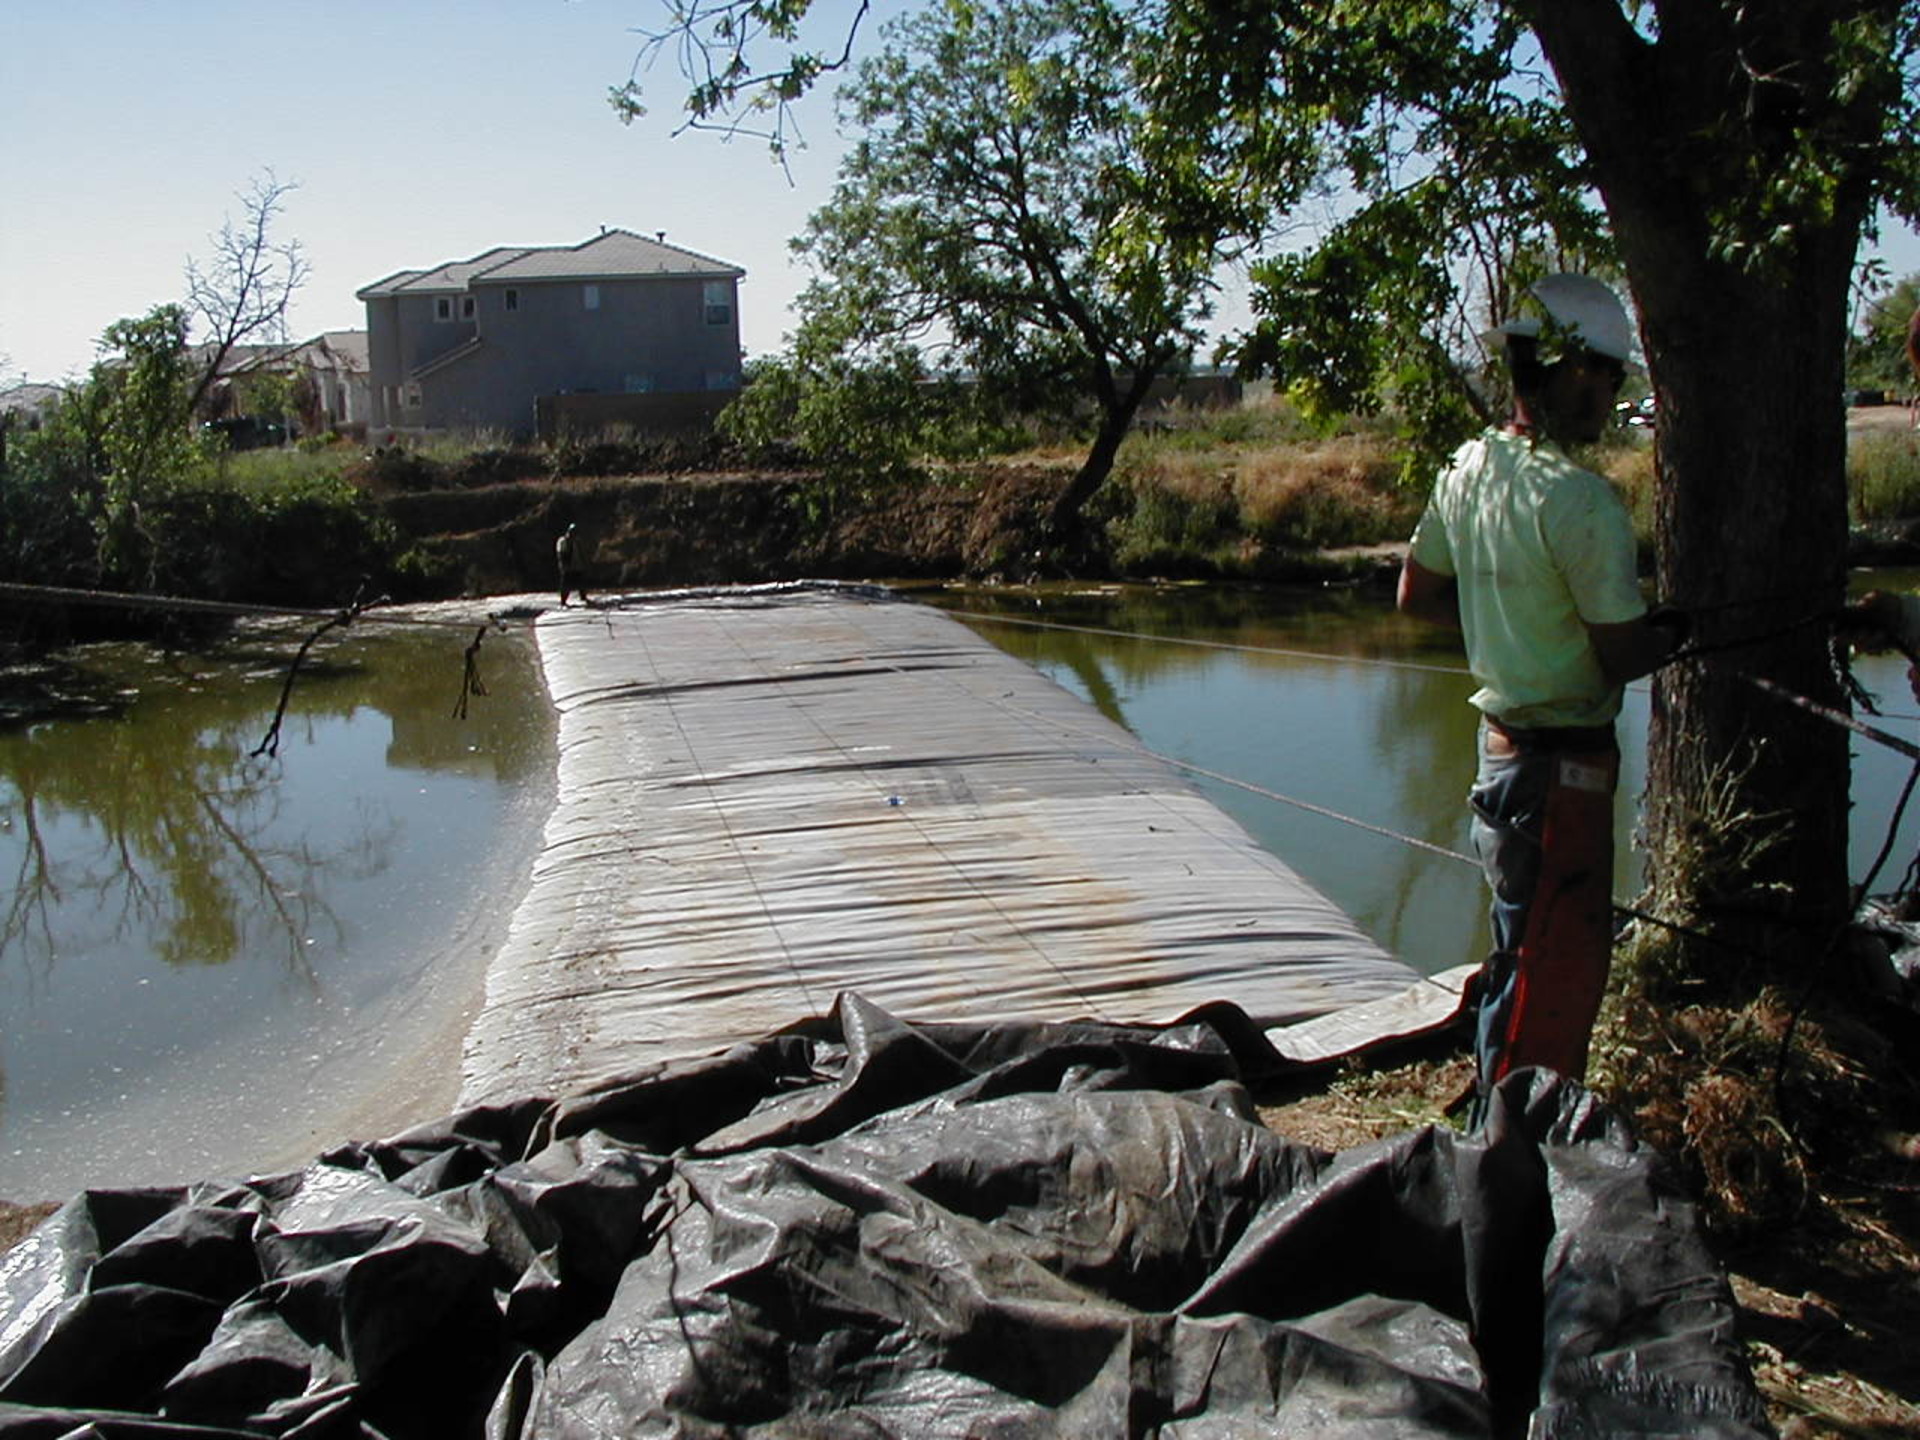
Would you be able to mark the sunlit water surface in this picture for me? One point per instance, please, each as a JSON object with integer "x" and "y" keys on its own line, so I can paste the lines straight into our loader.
{"x": 213, "y": 963}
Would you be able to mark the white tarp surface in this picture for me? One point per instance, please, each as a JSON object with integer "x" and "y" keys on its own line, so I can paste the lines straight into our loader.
{"x": 767, "y": 798}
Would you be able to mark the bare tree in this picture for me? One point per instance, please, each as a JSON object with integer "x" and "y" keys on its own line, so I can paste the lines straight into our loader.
{"x": 241, "y": 293}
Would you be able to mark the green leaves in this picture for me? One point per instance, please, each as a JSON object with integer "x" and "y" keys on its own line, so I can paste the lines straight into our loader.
{"x": 1013, "y": 214}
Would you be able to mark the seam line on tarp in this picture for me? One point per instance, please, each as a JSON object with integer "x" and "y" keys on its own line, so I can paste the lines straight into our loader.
{"x": 853, "y": 764}
{"x": 733, "y": 841}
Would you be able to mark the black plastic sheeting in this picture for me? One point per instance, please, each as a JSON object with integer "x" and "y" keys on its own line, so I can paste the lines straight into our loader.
{"x": 865, "y": 1228}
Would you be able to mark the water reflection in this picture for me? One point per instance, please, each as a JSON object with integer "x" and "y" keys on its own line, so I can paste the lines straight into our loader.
{"x": 1367, "y": 718}
{"x": 197, "y": 944}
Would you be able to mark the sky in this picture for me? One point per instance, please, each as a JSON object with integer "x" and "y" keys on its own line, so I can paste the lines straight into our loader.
{"x": 416, "y": 131}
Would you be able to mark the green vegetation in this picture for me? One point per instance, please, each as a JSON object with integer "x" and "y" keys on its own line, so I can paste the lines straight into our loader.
{"x": 1877, "y": 349}
{"x": 118, "y": 490}
{"x": 1229, "y": 492}
{"x": 1015, "y": 233}
{"x": 1883, "y": 475}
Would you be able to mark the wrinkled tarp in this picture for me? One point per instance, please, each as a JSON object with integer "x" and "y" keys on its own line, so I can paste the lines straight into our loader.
{"x": 766, "y": 799}
{"x": 864, "y": 1227}
{"x": 1889, "y": 947}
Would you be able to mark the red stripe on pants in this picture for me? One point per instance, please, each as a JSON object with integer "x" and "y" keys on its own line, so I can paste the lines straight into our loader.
{"x": 1568, "y": 943}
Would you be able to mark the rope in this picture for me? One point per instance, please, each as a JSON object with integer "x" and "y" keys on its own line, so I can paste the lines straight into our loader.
{"x": 1309, "y": 806}
{"x": 1742, "y": 642}
{"x": 1619, "y": 908}
{"x": 1838, "y": 717}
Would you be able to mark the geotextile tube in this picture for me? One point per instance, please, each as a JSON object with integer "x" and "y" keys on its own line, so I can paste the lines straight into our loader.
{"x": 860, "y": 1226}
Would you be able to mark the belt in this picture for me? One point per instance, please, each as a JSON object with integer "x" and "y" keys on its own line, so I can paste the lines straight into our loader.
{"x": 1555, "y": 737}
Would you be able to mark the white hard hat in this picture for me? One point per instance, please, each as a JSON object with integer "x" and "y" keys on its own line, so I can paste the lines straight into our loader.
{"x": 1578, "y": 308}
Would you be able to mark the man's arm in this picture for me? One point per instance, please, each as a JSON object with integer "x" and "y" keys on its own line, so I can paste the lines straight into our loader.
{"x": 1632, "y": 648}
{"x": 1428, "y": 595}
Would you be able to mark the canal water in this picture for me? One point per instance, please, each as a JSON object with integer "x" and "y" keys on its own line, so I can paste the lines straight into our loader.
{"x": 213, "y": 962}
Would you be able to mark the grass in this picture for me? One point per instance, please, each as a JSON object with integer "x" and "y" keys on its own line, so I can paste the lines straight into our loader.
{"x": 1883, "y": 478}
{"x": 276, "y": 471}
{"x": 1627, "y": 461}
{"x": 1222, "y": 489}
{"x": 1883, "y": 475}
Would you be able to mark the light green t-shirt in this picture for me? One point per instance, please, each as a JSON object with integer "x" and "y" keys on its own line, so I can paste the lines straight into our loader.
{"x": 1538, "y": 546}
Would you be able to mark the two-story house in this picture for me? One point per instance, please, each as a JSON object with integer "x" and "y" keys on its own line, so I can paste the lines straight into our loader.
{"x": 481, "y": 344}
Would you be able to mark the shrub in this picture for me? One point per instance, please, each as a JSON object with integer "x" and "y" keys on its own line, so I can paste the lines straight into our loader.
{"x": 620, "y": 451}
{"x": 311, "y": 543}
{"x": 1315, "y": 495}
{"x": 1630, "y": 468}
{"x": 390, "y": 468}
{"x": 1184, "y": 427}
{"x": 1883, "y": 475}
{"x": 1154, "y": 526}
{"x": 276, "y": 470}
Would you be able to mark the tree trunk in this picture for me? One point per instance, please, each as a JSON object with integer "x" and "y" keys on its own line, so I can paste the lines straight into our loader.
{"x": 1752, "y": 535}
{"x": 1116, "y": 418}
{"x": 1747, "y": 794}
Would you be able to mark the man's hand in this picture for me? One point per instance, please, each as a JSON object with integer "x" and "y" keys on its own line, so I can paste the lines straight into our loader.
{"x": 1871, "y": 623}
{"x": 1675, "y": 623}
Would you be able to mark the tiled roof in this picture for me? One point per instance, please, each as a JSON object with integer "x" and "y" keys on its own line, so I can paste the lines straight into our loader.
{"x": 386, "y": 285}
{"x": 610, "y": 255}
{"x": 29, "y": 396}
{"x": 350, "y": 346}
{"x": 452, "y": 278}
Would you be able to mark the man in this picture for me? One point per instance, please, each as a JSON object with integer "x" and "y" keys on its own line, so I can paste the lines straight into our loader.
{"x": 1532, "y": 557}
{"x": 565, "y": 561}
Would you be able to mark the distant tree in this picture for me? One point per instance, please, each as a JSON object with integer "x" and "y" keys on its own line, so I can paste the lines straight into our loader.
{"x": 872, "y": 416}
{"x": 1877, "y": 349}
{"x": 240, "y": 294}
{"x": 136, "y": 405}
{"x": 269, "y": 394}
{"x": 1002, "y": 213}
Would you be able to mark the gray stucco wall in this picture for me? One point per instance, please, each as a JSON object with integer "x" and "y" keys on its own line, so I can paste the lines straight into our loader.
{"x": 645, "y": 334}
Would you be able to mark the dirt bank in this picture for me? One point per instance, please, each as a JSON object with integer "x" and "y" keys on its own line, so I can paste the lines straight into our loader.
{"x": 699, "y": 528}
{"x": 722, "y": 528}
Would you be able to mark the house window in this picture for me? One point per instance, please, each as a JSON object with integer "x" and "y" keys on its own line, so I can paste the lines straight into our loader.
{"x": 466, "y": 307}
{"x": 413, "y": 397}
{"x": 442, "y": 307}
{"x": 718, "y": 298}
{"x": 513, "y": 299}
{"x": 722, "y": 380}
{"x": 591, "y": 295}
{"x": 640, "y": 382}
